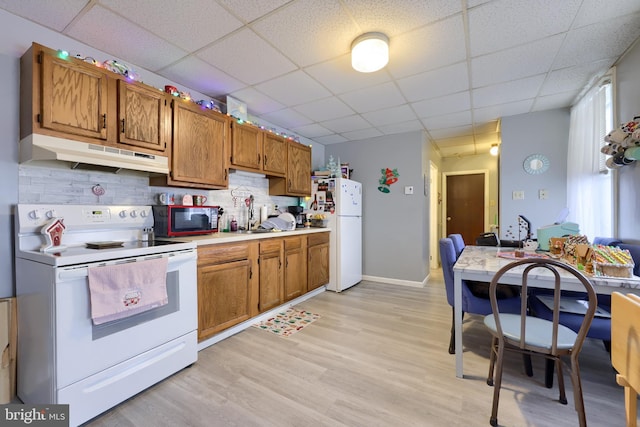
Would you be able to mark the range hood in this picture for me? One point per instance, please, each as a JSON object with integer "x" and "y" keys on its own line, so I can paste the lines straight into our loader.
{"x": 45, "y": 147}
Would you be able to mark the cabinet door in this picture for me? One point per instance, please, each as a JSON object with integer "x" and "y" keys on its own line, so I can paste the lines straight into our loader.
{"x": 298, "y": 169}
{"x": 295, "y": 268}
{"x": 270, "y": 264}
{"x": 246, "y": 146}
{"x": 274, "y": 154}
{"x": 199, "y": 146}
{"x": 141, "y": 116}
{"x": 74, "y": 97}
{"x": 318, "y": 266}
{"x": 223, "y": 296}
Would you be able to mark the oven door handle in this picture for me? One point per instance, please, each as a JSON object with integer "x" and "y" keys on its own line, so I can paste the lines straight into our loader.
{"x": 174, "y": 261}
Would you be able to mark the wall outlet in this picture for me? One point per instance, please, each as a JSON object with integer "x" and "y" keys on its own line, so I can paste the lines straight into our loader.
{"x": 408, "y": 189}
{"x": 543, "y": 194}
{"x": 518, "y": 195}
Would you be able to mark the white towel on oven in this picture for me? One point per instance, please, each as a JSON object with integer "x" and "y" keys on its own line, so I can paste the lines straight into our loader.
{"x": 122, "y": 290}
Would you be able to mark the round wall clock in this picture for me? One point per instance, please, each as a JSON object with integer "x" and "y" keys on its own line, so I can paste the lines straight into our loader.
{"x": 536, "y": 164}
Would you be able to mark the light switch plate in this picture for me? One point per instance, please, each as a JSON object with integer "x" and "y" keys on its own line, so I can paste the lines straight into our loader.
{"x": 518, "y": 195}
{"x": 408, "y": 189}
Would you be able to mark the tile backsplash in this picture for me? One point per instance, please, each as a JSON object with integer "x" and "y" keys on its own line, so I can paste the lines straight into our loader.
{"x": 56, "y": 183}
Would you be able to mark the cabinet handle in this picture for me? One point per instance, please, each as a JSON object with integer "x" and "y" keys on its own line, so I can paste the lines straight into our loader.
{"x": 104, "y": 121}
{"x": 122, "y": 125}
{"x": 265, "y": 160}
{"x": 225, "y": 174}
{"x": 250, "y": 272}
{"x": 279, "y": 264}
{"x": 258, "y": 158}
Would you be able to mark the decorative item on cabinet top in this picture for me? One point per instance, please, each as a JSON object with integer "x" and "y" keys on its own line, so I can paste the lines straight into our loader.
{"x": 623, "y": 144}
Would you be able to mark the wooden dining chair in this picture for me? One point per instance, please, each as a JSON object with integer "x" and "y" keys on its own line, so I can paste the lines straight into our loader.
{"x": 625, "y": 350}
{"x": 534, "y": 336}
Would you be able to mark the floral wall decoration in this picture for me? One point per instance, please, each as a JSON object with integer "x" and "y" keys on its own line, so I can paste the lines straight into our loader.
{"x": 389, "y": 176}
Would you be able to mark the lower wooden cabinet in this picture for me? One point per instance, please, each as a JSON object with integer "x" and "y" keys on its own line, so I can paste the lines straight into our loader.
{"x": 270, "y": 264}
{"x": 318, "y": 261}
{"x": 295, "y": 267}
{"x": 225, "y": 286}
{"x": 238, "y": 281}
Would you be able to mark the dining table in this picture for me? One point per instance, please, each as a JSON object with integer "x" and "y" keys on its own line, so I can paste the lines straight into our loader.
{"x": 481, "y": 263}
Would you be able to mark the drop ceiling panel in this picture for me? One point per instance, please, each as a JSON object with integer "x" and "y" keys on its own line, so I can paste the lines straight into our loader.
{"x": 558, "y": 100}
{"x": 312, "y": 131}
{"x": 515, "y": 63}
{"x": 309, "y": 31}
{"x": 362, "y": 134}
{"x": 399, "y": 16}
{"x": 592, "y": 11}
{"x": 448, "y": 120}
{"x": 502, "y": 24}
{"x": 428, "y": 48}
{"x": 250, "y": 10}
{"x": 572, "y": 78}
{"x": 410, "y": 126}
{"x": 453, "y": 132}
{"x": 247, "y": 57}
{"x": 129, "y": 42}
{"x": 399, "y": 114}
{"x": 325, "y": 109}
{"x": 55, "y": 15}
{"x": 436, "y": 83}
{"x": 374, "y": 98}
{"x": 339, "y": 77}
{"x": 200, "y": 76}
{"x": 460, "y": 101}
{"x": 331, "y": 139}
{"x": 517, "y": 90}
{"x": 346, "y": 124}
{"x": 287, "y": 118}
{"x": 293, "y": 89}
{"x": 167, "y": 19}
{"x": 495, "y": 112}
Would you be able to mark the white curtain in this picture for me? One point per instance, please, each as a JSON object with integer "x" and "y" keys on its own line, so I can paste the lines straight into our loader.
{"x": 589, "y": 183}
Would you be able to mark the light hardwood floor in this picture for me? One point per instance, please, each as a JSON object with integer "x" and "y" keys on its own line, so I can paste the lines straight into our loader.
{"x": 377, "y": 357}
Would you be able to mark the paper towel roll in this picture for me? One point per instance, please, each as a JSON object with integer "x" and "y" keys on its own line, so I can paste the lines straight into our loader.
{"x": 263, "y": 213}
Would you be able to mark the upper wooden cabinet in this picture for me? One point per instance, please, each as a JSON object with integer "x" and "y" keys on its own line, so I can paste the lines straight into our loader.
{"x": 68, "y": 98}
{"x": 257, "y": 150}
{"x": 298, "y": 178}
{"x": 274, "y": 154}
{"x": 246, "y": 146}
{"x": 142, "y": 113}
{"x": 197, "y": 156}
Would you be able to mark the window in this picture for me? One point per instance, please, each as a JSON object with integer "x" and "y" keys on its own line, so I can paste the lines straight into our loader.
{"x": 590, "y": 195}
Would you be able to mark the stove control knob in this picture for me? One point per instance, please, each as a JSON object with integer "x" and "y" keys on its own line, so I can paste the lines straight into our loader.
{"x": 122, "y": 214}
{"x": 51, "y": 214}
{"x": 144, "y": 213}
{"x": 133, "y": 214}
{"x": 34, "y": 215}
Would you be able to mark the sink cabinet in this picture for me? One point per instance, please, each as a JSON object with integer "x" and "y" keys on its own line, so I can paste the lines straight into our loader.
{"x": 226, "y": 283}
{"x": 68, "y": 98}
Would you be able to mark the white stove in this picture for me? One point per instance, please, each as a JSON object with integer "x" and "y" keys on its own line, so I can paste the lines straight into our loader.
{"x": 63, "y": 356}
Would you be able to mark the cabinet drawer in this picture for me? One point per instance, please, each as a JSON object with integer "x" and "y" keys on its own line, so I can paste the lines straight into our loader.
{"x": 270, "y": 245}
{"x": 291, "y": 243}
{"x": 214, "y": 254}
{"x": 318, "y": 239}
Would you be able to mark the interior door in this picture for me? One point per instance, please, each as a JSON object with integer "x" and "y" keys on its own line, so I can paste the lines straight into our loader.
{"x": 465, "y": 206}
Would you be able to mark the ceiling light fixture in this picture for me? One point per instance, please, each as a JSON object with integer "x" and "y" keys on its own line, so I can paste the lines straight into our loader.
{"x": 370, "y": 52}
{"x": 493, "y": 150}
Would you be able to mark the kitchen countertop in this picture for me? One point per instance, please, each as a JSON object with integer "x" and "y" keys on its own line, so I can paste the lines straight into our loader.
{"x": 239, "y": 236}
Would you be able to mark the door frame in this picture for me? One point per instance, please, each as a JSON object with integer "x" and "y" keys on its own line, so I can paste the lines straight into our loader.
{"x": 485, "y": 172}
{"x": 433, "y": 215}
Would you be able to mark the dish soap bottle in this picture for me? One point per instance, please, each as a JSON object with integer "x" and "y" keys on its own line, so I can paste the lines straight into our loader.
{"x": 234, "y": 224}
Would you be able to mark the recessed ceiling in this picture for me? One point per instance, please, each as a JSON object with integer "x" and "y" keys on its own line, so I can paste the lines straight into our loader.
{"x": 456, "y": 67}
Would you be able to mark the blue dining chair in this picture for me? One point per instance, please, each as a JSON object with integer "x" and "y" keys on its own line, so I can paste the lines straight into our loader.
{"x": 470, "y": 303}
{"x": 458, "y": 243}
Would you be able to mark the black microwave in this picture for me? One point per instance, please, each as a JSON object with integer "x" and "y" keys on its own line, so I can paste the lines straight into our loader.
{"x": 179, "y": 220}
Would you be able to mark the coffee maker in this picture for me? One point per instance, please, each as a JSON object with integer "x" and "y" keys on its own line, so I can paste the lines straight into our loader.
{"x": 300, "y": 217}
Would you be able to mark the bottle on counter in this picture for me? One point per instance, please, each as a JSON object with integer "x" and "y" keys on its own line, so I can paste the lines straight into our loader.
{"x": 234, "y": 224}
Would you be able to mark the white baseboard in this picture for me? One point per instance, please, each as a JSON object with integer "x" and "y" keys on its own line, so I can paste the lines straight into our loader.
{"x": 398, "y": 282}
{"x": 262, "y": 316}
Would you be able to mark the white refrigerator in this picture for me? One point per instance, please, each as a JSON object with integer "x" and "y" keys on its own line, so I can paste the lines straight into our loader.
{"x": 341, "y": 201}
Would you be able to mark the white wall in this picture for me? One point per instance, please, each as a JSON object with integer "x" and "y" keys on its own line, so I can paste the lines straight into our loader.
{"x": 9, "y": 124}
{"x": 395, "y": 225}
{"x": 544, "y": 132}
{"x": 628, "y": 103}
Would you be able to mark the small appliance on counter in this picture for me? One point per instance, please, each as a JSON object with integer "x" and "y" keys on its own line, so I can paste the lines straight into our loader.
{"x": 297, "y": 212}
{"x": 181, "y": 220}
{"x": 560, "y": 228}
